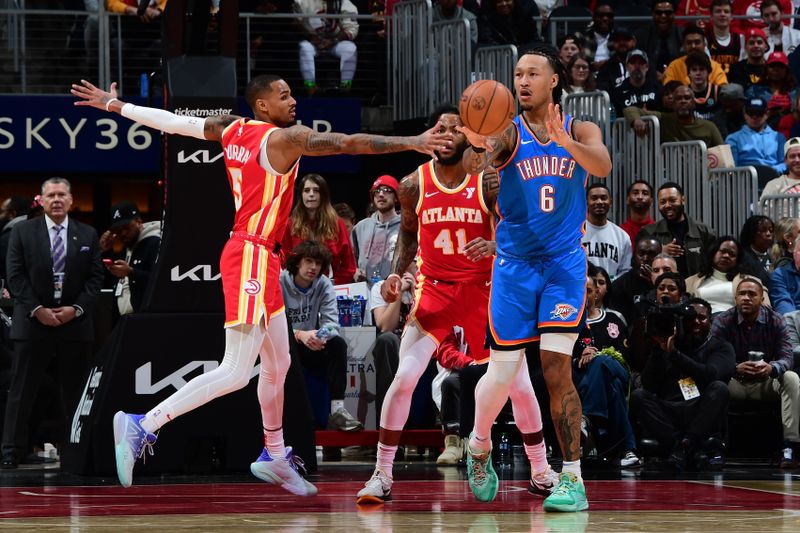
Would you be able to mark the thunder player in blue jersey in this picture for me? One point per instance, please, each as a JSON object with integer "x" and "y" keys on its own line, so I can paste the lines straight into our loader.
{"x": 539, "y": 273}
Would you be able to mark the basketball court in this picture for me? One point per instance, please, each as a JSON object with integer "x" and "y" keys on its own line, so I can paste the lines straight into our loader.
{"x": 425, "y": 498}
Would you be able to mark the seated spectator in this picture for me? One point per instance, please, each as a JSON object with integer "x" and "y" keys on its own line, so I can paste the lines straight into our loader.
{"x": 313, "y": 218}
{"x": 390, "y": 319}
{"x": 788, "y": 183}
{"x": 509, "y": 22}
{"x": 374, "y": 238}
{"x": 680, "y": 125}
{"x": 580, "y": 78}
{"x": 757, "y": 238}
{"x": 13, "y": 210}
{"x": 789, "y": 124}
{"x": 752, "y": 70}
{"x": 637, "y": 89}
{"x": 780, "y": 37}
{"x": 779, "y": 106}
{"x": 667, "y": 102}
{"x": 596, "y": 37}
{"x": 446, "y": 10}
{"x": 602, "y": 377}
{"x": 131, "y": 268}
{"x": 724, "y": 46}
{"x": 635, "y": 282}
{"x": 683, "y": 401}
{"x": 130, "y": 8}
{"x": 764, "y": 359}
{"x": 721, "y": 270}
{"x": 569, "y": 46}
{"x": 347, "y": 215}
{"x": 639, "y": 198}
{"x": 451, "y": 356}
{"x": 694, "y": 40}
{"x": 786, "y": 231}
{"x": 602, "y": 283}
{"x": 749, "y": 15}
{"x": 662, "y": 40}
{"x": 311, "y": 307}
{"x": 706, "y": 94}
{"x": 785, "y": 286}
{"x": 327, "y": 35}
{"x": 756, "y": 143}
{"x": 682, "y": 237}
{"x": 613, "y": 72}
{"x": 729, "y": 118}
{"x": 606, "y": 244}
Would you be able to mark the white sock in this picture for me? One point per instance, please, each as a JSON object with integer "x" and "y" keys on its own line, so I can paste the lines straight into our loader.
{"x": 385, "y": 459}
{"x": 337, "y": 405}
{"x": 273, "y": 442}
{"x": 537, "y": 455}
{"x": 573, "y": 467}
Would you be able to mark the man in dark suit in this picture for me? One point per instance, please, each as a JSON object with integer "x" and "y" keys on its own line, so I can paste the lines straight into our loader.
{"x": 54, "y": 275}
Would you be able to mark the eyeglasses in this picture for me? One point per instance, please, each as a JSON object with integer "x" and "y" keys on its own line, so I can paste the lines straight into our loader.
{"x": 384, "y": 190}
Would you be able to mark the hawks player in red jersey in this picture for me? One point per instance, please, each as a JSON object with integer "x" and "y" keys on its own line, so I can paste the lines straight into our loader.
{"x": 446, "y": 216}
{"x": 262, "y": 158}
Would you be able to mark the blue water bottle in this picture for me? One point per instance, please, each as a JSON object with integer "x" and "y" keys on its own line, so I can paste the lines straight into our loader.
{"x": 144, "y": 85}
{"x": 504, "y": 458}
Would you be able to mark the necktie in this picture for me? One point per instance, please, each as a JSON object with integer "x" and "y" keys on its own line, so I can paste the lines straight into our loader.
{"x": 59, "y": 251}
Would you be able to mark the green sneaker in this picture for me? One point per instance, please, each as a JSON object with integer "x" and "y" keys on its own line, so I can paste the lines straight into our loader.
{"x": 481, "y": 475}
{"x": 569, "y": 495}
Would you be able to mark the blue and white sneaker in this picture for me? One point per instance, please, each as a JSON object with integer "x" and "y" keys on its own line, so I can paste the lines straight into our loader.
{"x": 130, "y": 443}
{"x": 284, "y": 472}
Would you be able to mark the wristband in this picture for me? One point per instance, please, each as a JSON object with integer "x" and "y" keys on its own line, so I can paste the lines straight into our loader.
{"x": 108, "y": 104}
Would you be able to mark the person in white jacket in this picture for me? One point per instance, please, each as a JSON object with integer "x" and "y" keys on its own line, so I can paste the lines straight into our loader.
{"x": 779, "y": 36}
{"x": 327, "y": 35}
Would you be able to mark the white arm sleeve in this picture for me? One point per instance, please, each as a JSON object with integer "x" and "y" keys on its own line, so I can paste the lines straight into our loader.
{"x": 165, "y": 121}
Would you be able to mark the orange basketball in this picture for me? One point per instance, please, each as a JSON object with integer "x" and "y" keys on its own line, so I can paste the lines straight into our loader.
{"x": 487, "y": 107}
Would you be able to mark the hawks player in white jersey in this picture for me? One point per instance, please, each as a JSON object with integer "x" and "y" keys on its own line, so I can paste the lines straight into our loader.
{"x": 262, "y": 158}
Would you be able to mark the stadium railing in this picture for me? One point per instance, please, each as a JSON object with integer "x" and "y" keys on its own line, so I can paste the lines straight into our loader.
{"x": 778, "y": 206}
{"x": 732, "y": 197}
{"x": 686, "y": 164}
{"x": 451, "y": 60}
{"x": 593, "y": 107}
{"x": 496, "y": 63}
{"x": 409, "y": 47}
{"x": 633, "y": 158}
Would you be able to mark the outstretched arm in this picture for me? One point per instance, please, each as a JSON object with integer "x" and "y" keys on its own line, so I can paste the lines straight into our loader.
{"x": 488, "y": 151}
{"x": 209, "y": 129}
{"x": 585, "y": 145}
{"x": 407, "y": 245}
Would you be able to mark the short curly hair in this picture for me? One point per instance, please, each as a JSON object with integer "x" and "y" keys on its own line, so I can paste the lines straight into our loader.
{"x": 311, "y": 250}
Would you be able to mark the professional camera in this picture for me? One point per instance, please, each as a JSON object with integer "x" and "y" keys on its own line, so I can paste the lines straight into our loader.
{"x": 662, "y": 320}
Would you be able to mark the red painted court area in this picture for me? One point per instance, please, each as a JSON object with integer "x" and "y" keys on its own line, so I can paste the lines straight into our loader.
{"x": 409, "y": 496}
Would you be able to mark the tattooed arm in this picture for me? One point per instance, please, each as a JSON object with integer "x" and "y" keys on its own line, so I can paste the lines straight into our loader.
{"x": 288, "y": 144}
{"x": 479, "y": 248}
{"x": 407, "y": 245}
{"x": 493, "y": 151}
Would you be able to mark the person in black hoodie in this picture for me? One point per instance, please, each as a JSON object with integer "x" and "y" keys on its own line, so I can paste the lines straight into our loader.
{"x": 509, "y": 22}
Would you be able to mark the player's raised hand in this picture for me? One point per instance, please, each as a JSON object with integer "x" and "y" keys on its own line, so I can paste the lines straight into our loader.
{"x": 476, "y": 139}
{"x": 433, "y": 140}
{"x": 93, "y": 96}
{"x": 390, "y": 290}
{"x": 555, "y": 123}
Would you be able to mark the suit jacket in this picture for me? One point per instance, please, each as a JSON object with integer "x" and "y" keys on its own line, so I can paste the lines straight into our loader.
{"x": 29, "y": 267}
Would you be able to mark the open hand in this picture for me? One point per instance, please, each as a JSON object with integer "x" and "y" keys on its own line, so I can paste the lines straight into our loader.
{"x": 432, "y": 141}
{"x": 390, "y": 290}
{"x": 93, "y": 96}
{"x": 477, "y": 249}
{"x": 555, "y": 124}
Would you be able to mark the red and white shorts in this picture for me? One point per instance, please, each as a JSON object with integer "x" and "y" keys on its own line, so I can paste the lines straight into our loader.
{"x": 440, "y": 305}
{"x": 250, "y": 270}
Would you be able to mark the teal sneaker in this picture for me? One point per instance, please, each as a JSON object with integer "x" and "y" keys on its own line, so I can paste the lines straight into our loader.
{"x": 481, "y": 475}
{"x": 569, "y": 495}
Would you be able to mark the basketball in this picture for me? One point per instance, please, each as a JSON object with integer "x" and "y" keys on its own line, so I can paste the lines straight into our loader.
{"x": 487, "y": 107}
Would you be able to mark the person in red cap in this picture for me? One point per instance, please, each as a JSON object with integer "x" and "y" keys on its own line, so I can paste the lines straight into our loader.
{"x": 789, "y": 125}
{"x": 780, "y": 37}
{"x": 751, "y": 70}
{"x": 374, "y": 238}
{"x": 781, "y": 83}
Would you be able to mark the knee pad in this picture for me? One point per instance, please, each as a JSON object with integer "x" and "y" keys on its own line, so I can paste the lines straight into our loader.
{"x": 562, "y": 343}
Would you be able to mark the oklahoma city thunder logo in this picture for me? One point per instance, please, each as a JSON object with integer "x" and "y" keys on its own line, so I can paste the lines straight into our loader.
{"x": 252, "y": 287}
{"x": 562, "y": 311}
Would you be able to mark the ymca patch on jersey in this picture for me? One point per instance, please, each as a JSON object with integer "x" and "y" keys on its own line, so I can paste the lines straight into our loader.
{"x": 562, "y": 312}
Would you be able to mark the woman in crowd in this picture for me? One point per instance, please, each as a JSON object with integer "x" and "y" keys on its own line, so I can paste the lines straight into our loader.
{"x": 580, "y": 78}
{"x": 789, "y": 125}
{"x": 786, "y": 231}
{"x": 756, "y": 240}
{"x": 314, "y": 218}
{"x": 602, "y": 378}
{"x": 719, "y": 275}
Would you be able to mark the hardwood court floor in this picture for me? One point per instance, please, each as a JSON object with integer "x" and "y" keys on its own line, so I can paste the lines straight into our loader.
{"x": 425, "y": 499}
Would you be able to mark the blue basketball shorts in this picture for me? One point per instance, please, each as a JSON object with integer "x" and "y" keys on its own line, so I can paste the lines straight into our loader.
{"x": 531, "y": 297}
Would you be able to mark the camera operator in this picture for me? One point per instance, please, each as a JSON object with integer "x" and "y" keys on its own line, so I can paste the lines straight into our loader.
{"x": 764, "y": 359}
{"x": 684, "y": 398}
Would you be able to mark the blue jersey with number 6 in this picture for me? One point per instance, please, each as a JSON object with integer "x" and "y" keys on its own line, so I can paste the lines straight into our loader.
{"x": 542, "y": 200}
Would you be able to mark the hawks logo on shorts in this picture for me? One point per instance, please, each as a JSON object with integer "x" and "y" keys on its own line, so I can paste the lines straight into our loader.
{"x": 562, "y": 312}
{"x": 252, "y": 287}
